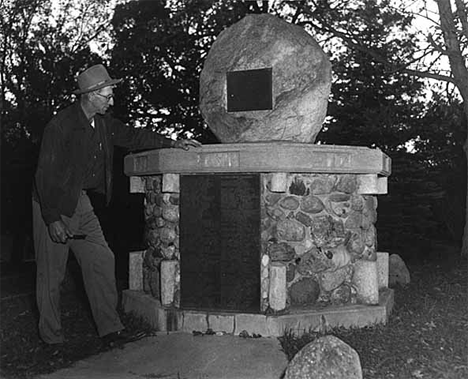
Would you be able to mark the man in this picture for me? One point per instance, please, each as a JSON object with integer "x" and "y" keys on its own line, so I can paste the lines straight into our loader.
{"x": 76, "y": 156}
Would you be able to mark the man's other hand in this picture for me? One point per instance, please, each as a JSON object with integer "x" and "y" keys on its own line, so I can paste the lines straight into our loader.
{"x": 59, "y": 232}
{"x": 186, "y": 144}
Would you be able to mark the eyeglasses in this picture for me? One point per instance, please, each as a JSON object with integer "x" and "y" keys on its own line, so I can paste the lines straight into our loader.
{"x": 108, "y": 97}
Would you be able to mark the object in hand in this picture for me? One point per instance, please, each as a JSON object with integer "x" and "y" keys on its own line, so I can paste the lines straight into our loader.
{"x": 78, "y": 237}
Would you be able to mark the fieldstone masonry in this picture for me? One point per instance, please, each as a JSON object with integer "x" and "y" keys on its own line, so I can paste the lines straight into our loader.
{"x": 318, "y": 241}
{"x": 318, "y": 204}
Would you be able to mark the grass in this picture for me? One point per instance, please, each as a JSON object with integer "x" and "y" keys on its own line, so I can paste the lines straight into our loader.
{"x": 427, "y": 334}
{"x": 24, "y": 355}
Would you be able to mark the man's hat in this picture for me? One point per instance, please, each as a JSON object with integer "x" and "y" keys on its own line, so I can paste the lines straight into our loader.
{"x": 94, "y": 78}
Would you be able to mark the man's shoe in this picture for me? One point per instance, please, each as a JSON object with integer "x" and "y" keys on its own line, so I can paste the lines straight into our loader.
{"x": 122, "y": 336}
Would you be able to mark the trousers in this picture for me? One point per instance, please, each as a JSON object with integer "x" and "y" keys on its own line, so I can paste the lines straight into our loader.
{"x": 97, "y": 265}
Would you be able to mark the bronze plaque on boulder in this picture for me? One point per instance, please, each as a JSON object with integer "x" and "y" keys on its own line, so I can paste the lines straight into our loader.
{"x": 249, "y": 90}
{"x": 220, "y": 242}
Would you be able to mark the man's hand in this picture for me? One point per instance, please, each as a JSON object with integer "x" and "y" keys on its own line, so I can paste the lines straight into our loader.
{"x": 59, "y": 232}
{"x": 186, "y": 144}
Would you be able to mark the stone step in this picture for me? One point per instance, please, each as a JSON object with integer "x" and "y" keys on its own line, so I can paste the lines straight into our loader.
{"x": 298, "y": 321}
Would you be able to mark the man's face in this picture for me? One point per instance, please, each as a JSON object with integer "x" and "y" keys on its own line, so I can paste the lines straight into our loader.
{"x": 103, "y": 99}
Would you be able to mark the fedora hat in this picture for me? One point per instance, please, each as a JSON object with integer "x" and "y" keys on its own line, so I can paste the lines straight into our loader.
{"x": 94, "y": 78}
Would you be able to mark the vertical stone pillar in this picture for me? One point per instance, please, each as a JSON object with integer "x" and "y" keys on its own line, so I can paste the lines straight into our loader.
{"x": 382, "y": 269}
{"x": 279, "y": 182}
{"x": 168, "y": 282}
{"x": 137, "y": 184}
{"x": 135, "y": 270}
{"x": 277, "y": 293}
{"x": 365, "y": 278}
{"x": 170, "y": 183}
{"x": 264, "y": 282}
{"x": 372, "y": 184}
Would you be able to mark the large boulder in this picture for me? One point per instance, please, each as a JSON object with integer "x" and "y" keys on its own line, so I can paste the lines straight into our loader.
{"x": 301, "y": 81}
{"x": 398, "y": 272}
{"x": 325, "y": 358}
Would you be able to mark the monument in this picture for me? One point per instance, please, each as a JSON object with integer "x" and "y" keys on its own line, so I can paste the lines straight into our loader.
{"x": 265, "y": 231}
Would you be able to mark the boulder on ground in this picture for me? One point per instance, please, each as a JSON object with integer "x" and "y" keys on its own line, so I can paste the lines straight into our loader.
{"x": 325, "y": 358}
{"x": 398, "y": 273}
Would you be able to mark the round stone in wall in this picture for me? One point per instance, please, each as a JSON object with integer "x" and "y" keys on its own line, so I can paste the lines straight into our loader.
{"x": 284, "y": 64}
{"x": 312, "y": 204}
{"x": 304, "y": 292}
{"x": 341, "y": 295}
{"x": 333, "y": 279}
{"x": 290, "y": 203}
{"x": 290, "y": 230}
{"x": 280, "y": 252}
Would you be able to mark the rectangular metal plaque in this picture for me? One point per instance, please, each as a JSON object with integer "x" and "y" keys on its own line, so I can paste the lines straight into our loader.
{"x": 249, "y": 90}
{"x": 220, "y": 242}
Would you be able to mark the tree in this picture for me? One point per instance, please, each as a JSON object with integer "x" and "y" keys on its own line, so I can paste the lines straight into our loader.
{"x": 159, "y": 50}
{"x": 43, "y": 45}
{"x": 43, "y": 50}
{"x": 448, "y": 37}
{"x": 158, "y": 47}
{"x": 454, "y": 27}
{"x": 440, "y": 144}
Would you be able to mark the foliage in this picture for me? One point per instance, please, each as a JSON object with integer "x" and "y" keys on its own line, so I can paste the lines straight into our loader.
{"x": 371, "y": 104}
{"x": 426, "y": 198}
{"x": 447, "y": 39}
{"x": 43, "y": 50}
{"x": 44, "y": 45}
{"x": 440, "y": 146}
{"x": 158, "y": 47}
{"x": 376, "y": 105}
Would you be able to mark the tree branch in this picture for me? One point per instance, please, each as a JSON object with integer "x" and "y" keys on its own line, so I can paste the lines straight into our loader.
{"x": 378, "y": 58}
{"x": 430, "y": 75}
{"x": 453, "y": 51}
{"x": 462, "y": 15}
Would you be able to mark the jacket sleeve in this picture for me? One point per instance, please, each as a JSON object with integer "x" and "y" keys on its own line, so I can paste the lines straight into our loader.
{"x": 137, "y": 138}
{"x": 48, "y": 168}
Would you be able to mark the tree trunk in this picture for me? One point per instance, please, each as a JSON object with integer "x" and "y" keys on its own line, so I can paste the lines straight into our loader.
{"x": 464, "y": 250}
{"x": 459, "y": 72}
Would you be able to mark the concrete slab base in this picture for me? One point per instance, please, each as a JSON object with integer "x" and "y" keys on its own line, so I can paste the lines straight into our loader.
{"x": 184, "y": 356}
{"x": 299, "y": 321}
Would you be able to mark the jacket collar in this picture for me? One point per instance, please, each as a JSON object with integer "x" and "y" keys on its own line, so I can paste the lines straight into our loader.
{"x": 83, "y": 121}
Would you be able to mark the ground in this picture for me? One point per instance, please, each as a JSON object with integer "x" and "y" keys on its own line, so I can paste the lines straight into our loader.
{"x": 426, "y": 336}
{"x": 23, "y": 355}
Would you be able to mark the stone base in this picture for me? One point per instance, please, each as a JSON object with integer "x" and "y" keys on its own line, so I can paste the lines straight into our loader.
{"x": 297, "y": 321}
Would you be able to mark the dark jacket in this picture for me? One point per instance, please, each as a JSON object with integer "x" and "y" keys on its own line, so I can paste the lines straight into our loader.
{"x": 62, "y": 161}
